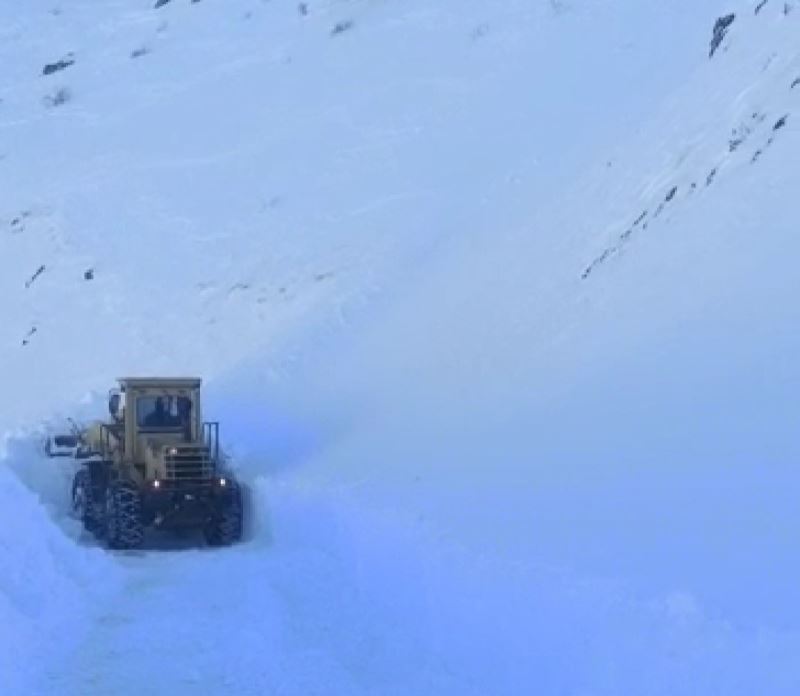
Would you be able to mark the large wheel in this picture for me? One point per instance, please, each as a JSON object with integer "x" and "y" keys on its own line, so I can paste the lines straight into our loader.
{"x": 82, "y": 503}
{"x": 225, "y": 527}
{"x": 123, "y": 528}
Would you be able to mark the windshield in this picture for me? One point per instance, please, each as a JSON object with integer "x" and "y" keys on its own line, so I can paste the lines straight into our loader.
{"x": 163, "y": 411}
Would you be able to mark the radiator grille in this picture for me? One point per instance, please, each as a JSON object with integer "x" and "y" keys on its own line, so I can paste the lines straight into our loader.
{"x": 188, "y": 464}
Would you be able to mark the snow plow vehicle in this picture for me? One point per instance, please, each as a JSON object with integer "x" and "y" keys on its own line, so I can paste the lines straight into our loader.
{"x": 154, "y": 464}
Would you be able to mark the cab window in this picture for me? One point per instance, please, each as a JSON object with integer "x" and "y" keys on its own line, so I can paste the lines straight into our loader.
{"x": 163, "y": 411}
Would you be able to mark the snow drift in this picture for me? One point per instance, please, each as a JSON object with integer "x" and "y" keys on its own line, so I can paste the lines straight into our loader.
{"x": 48, "y": 583}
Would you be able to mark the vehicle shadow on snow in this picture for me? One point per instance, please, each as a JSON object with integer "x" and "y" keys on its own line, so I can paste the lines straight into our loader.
{"x": 182, "y": 540}
{"x": 155, "y": 541}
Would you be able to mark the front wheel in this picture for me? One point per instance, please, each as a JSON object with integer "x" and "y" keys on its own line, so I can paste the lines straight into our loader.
{"x": 124, "y": 528}
{"x": 225, "y": 526}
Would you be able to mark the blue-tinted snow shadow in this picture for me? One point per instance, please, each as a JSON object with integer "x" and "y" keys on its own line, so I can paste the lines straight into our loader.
{"x": 271, "y": 427}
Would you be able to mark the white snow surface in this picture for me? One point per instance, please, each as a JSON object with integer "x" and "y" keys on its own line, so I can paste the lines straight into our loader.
{"x": 497, "y": 304}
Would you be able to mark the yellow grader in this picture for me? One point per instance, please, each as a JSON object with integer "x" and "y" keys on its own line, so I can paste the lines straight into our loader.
{"x": 154, "y": 463}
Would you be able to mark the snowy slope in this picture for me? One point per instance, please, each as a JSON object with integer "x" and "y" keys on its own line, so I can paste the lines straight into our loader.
{"x": 275, "y": 167}
{"x": 497, "y": 309}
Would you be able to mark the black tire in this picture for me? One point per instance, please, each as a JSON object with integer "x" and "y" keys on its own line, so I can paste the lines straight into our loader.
{"x": 225, "y": 527}
{"x": 123, "y": 518}
{"x": 82, "y": 504}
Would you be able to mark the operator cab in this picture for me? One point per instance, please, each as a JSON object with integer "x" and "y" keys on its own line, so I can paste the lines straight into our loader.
{"x": 159, "y": 410}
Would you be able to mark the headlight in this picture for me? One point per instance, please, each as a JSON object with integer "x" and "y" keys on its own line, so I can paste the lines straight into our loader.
{"x": 223, "y": 481}
{"x": 156, "y": 484}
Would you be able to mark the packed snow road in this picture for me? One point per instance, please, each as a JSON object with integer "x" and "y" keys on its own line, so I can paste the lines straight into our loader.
{"x": 186, "y": 620}
{"x": 256, "y": 618}
{"x": 173, "y": 625}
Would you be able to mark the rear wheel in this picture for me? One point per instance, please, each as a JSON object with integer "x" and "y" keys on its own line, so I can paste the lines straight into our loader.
{"x": 225, "y": 527}
{"x": 123, "y": 518}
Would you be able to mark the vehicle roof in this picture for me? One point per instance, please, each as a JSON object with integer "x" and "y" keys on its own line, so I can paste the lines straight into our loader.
{"x": 174, "y": 382}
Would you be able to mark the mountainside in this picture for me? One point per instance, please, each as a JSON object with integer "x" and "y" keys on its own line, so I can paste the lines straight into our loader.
{"x": 497, "y": 306}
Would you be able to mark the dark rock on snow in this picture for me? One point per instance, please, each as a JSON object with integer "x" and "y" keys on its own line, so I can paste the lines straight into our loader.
{"x": 720, "y": 30}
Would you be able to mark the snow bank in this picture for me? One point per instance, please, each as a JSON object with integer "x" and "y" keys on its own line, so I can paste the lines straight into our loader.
{"x": 410, "y": 609}
{"x": 48, "y": 582}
